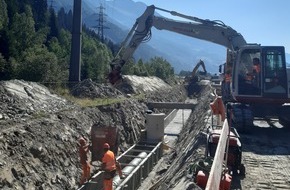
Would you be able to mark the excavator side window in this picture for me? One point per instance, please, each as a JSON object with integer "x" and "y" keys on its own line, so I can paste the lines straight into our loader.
{"x": 249, "y": 72}
{"x": 275, "y": 72}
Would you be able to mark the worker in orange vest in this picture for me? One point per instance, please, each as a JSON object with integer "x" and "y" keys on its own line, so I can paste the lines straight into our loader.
{"x": 110, "y": 165}
{"x": 256, "y": 71}
{"x": 256, "y": 65}
{"x": 86, "y": 168}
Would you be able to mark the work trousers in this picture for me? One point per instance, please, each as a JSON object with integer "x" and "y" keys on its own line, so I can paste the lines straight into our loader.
{"x": 108, "y": 184}
{"x": 86, "y": 173}
{"x": 108, "y": 179}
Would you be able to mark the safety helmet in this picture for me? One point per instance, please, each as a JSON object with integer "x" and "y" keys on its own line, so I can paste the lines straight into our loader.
{"x": 82, "y": 141}
{"x": 106, "y": 146}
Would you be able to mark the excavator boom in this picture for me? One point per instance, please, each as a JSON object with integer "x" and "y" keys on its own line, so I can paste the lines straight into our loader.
{"x": 212, "y": 31}
{"x": 248, "y": 90}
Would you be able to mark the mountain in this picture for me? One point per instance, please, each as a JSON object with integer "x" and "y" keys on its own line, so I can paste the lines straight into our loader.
{"x": 181, "y": 51}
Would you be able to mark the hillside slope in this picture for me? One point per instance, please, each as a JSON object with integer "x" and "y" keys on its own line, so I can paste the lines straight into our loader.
{"x": 39, "y": 131}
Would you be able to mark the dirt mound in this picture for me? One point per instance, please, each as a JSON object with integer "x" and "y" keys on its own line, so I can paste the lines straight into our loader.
{"x": 89, "y": 89}
{"x": 133, "y": 84}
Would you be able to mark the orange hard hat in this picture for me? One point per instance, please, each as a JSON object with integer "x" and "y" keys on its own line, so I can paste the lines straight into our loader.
{"x": 106, "y": 145}
{"x": 82, "y": 141}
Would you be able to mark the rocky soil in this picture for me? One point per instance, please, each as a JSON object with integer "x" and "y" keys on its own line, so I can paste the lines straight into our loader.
{"x": 39, "y": 129}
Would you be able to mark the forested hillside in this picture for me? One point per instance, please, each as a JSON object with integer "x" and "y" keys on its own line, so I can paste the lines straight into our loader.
{"x": 35, "y": 44}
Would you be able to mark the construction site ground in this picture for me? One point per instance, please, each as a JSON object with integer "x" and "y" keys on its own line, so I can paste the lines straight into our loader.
{"x": 266, "y": 156}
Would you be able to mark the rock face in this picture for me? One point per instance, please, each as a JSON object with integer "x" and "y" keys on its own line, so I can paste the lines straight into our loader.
{"x": 39, "y": 130}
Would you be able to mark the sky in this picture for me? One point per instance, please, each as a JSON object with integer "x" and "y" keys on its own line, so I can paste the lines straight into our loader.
{"x": 264, "y": 22}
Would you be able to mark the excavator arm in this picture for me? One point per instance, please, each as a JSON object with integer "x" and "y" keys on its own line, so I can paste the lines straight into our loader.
{"x": 213, "y": 31}
{"x": 194, "y": 71}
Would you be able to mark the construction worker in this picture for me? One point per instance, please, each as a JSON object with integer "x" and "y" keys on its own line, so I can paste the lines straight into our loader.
{"x": 110, "y": 165}
{"x": 256, "y": 65}
{"x": 86, "y": 169}
{"x": 256, "y": 72}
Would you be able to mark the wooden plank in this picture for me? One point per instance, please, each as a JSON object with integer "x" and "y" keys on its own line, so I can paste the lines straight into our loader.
{"x": 214, "y": 179}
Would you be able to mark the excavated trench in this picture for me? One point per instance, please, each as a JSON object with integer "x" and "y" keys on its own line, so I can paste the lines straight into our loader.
{"x": 170, "y": 171}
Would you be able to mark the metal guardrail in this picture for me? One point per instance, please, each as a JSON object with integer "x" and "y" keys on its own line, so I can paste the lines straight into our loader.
{"x": 137, "y": 162}
{"x": 141, "y": 171}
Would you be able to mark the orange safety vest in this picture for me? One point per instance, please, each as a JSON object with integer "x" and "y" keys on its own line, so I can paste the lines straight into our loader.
{"x": 218, "y": 108}
{"x": 257, "y": 68}
{"x": 228, "y": 78}
{"x": 109, "y": 160}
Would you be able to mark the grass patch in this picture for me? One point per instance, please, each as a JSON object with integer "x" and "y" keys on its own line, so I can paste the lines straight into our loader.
{"x": 39, "y": 114}
{"x": 88, "y": 102}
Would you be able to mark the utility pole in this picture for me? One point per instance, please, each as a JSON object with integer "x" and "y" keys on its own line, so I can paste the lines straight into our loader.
{"x": 75, "y": 58}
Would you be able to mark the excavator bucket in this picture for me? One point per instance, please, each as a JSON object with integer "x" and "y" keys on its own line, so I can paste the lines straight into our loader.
{"x": 115, "y": 77}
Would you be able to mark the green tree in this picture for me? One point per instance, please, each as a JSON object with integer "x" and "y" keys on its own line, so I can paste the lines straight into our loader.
{"x": 64, "y": 19}
{"x": 95, "y": 59}
{"x": 39, "y": 9}
{"x": 39, "y": 65}
{"x": 54, "y": 29}
{"x": 161, "y": 68}
{"x": 65, "y": 40}
{"x": 12, "y": 8}
{"x": 3, "y": 15}
{"x": 142, "y": 68}
{"x": 5, "y": 69}
{"x": 128, "y": 68}
{"x": 3, "y": 29}
{"x": 21, "y": 34}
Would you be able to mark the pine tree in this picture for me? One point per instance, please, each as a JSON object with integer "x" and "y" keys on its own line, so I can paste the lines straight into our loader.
{"x": 54, "y": 29}
{"x": 3, "y": 15}
{"x": 39, "y": 9}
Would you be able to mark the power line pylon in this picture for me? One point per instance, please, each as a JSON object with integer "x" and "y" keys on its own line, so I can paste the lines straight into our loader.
{"x": 101, "y": 21}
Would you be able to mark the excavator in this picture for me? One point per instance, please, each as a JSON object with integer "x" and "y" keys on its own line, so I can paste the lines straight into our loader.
{"x": 196, "y": 75}
{"x": 248, "y": 93}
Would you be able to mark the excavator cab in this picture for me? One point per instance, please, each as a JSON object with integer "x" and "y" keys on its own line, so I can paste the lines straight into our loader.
{"x": 260, "y": 74}
{"x": 259, "y": 86}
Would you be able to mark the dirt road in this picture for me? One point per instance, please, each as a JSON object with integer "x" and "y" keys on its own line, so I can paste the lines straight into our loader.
{"x": 266, "y": 156}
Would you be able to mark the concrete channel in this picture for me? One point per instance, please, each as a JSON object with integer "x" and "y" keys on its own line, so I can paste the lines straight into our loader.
{"x": 138, "y": 161}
